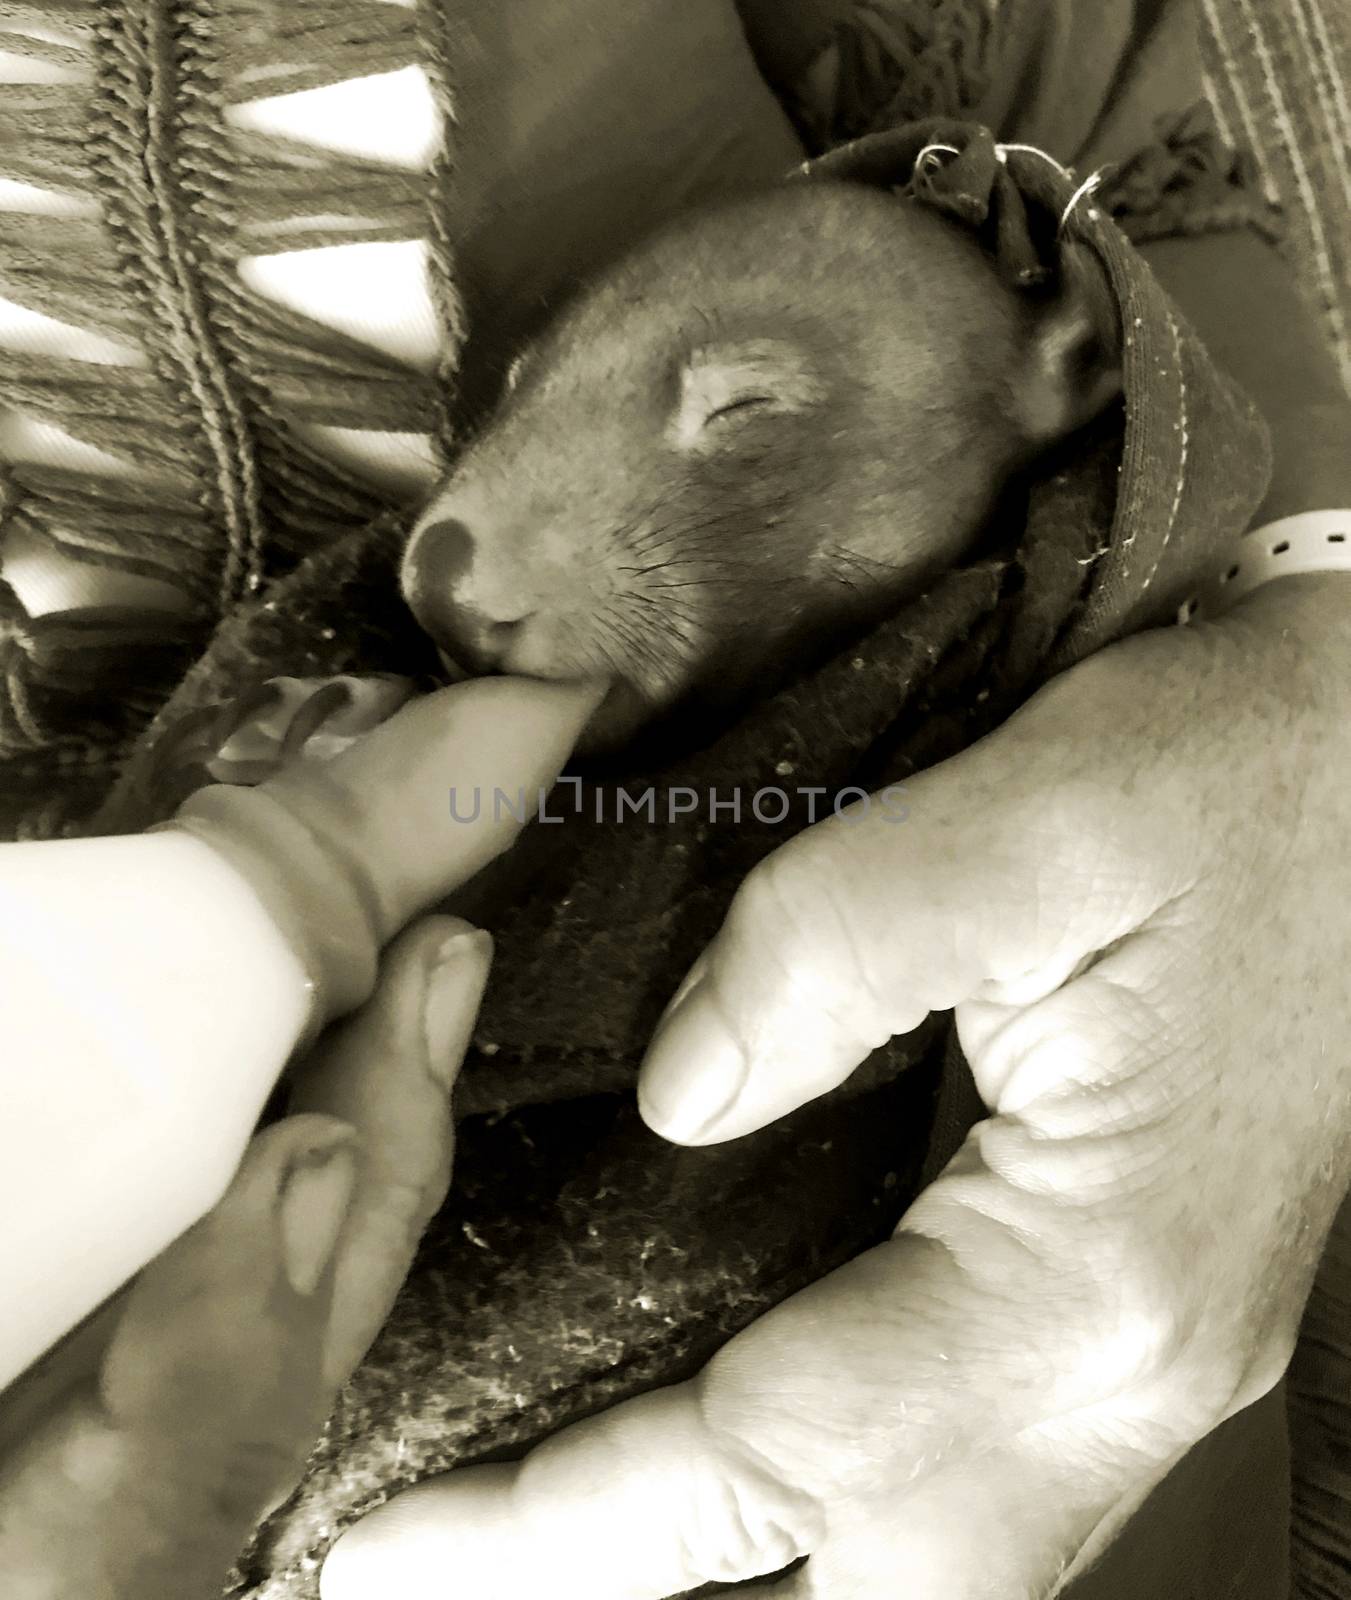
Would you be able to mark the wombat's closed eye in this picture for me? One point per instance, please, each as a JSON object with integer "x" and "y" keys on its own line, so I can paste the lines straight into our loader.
{"x": 766, "y": 427}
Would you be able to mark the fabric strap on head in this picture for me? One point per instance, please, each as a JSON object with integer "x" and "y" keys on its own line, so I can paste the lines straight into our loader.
{"x": 1040, "y": 222}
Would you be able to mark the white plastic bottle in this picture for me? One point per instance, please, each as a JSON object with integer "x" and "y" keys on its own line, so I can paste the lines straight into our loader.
{"x": 152, "y": 987}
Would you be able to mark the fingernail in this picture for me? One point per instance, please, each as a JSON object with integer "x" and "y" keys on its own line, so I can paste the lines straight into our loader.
{"x": 695, "y": 1070}
{"x": 314, "y": 1203}
{"x": 456, "y": 975}
{"x": 692, "y": 979}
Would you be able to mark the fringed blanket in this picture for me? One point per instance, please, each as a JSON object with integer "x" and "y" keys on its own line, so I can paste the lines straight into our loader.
{"x": 579, "y": 1259}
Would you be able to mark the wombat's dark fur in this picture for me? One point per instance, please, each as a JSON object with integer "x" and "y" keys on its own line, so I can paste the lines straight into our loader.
{"x": 770, "y": 423}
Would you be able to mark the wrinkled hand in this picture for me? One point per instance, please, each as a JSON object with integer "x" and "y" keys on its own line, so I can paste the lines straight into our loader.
{"x": 137, "y": 1457}
{"x": 1135, "y": 896}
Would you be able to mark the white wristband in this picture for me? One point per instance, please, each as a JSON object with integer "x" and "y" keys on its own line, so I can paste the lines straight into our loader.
{"x": 1312, "y": 541}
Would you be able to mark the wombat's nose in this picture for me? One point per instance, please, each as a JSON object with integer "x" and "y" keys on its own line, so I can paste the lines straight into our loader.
{"x": 445, "y": 598}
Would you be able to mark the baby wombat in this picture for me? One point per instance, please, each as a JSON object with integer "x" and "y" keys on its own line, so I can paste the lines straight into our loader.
{"x": 762, "y": 429}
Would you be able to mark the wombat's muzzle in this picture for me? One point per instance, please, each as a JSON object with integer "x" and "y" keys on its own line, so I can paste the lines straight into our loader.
{"x": 439, "y": 582}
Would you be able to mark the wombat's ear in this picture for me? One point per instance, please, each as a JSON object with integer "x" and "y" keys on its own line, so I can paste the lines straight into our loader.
{"x": 722, "y": 383}
{"x": 1072, "y": 369}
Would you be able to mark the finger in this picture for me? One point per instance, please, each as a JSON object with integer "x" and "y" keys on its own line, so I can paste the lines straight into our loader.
{"x": 147, "y": 1479}
{"x": 857, "y": 929}
{"x": 994, "y": 1366}
{"x": 638, "y": 1503}
{"x": 217, "y": 1348}
{"x": 388, "y": 1073}
{"x": 73, "y": 1360}
{"x": 423, "y": 802}
{"x": 863, "y": 1423}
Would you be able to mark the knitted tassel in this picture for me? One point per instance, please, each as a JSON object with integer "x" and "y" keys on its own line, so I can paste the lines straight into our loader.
{"x": 34, "y": 48}
{"x": 886, "y": 64}
{"x": 1190, "y": 181}
{"x": 287, "y": 197}
{"x": 79, "y": 17}
{"x": 43, "y": 136}
{"x": 217, "y": 410}
{"x": 59, "y": 266}
{"x": 280, "y": 48}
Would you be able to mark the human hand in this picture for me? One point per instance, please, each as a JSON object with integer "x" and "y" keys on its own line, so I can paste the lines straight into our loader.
{"x": 136, "y": 1459}
{"x": 137, "y": 1455}
{"x": 1135, "y": 896}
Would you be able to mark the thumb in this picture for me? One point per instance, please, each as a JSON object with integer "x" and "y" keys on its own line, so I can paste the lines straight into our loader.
{"x": 999, "y": 878}
{"x": 387, "y": 1072}
{"x": 147, "y": 1474}
{"x": 637, "y": 1503}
